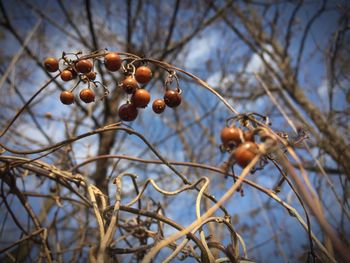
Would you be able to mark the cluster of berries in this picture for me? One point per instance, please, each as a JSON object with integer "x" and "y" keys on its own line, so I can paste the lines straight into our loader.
{"x": 83, "y": 69}
{"x": 242, "y": 142}
{"x": 140, "y": 97}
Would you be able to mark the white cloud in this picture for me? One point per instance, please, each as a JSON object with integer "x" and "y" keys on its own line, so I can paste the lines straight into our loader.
{"x": 214, "y": 79}
{"x": 322, "y": 92}
{"x": 31, "y": 131}
{"x": 256, "y": 63}
{"x": 201, "y": 48}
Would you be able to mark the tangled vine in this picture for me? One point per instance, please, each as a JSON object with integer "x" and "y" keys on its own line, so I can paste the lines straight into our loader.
{"x": 133, "y": 225}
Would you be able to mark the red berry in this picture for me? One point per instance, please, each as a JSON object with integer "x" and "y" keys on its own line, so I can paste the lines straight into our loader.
{"x": 248, "y": 136}
{"x": 129, "y": 85}
{"x": 141, "y": 98}
{"x": 172, "y": 98}
{"x": 74, "y": 73}
{"x": 84, "y": 66}
{"x": 230, "y": 136}
{"x": 158, "y": 106}
{"x": 67, "y": 97}
{"x": 127, "y": 112}
{"x": 245, "y": 153}
{"x": 113, "y": 61}
{"x": 66, "y": 75}
{"x": 51, "y": 64}
{"x": 87, "y": 95}
{"x": 91, "y": 75}
{"x": 143, "y": 74}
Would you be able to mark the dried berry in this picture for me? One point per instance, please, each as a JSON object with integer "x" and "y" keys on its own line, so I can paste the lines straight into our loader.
{"x": 230, "y": 136}
{"x": 51, "y": 64}
{"x": 84, "y": 66}
{"x": 53, "y": 189}
{"x": 130, "y": 85}
{"x": 172, "y": 98}
{"x": 66, "y": 75}
{"x": 143, "y": 74}
{"x": 74, "y": 73}
{"x": 245, "y": 153}
{"x": 127, "y": 112}
{"x": 87, "y": 95}
{"x": 91, "y": 75}
{"x": 158, "y": 106}
{"x": 113, "y": 61}
{"x": 248, "y": 136}
{"x": 67, "y": 97}
{"x": 141, "y": 98}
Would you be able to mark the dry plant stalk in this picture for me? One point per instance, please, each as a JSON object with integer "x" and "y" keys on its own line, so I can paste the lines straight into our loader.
{"x": 110, "y": 221}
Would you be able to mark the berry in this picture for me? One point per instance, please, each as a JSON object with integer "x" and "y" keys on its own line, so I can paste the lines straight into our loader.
{"x": 91, "y": 75}
{"x": 172, "y": 98}
{"x": 127, "y": 112}
{"x": 230, "y": 136}
{"x": 84, "y": 66}
{"x": 245, "y": 153}
{"x": 48, "y": 115}
{"x": 113, "y": 61}
{"x": 129, "y": 85}
{"x": 67, "y": 97}
{"x": 66, "y": 75}
{"x": 87, "y": 95}
{"x": 248, "y": 136}
{"x": 143, "y": 74}
{"x": 158, "y": 106}
{"x": 53, "y": 189}
{"x": 51, "y": 64}
{"x": 141, "y": 98}
{"x": 74, "y": 73}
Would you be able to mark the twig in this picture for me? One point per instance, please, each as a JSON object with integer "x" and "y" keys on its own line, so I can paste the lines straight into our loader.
{"x": 22, "y": 239}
